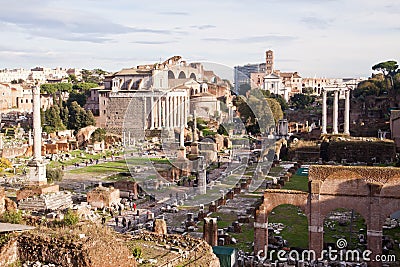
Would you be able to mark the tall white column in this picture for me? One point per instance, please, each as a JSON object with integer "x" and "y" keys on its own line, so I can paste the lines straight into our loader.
{"x": 123, "y": 138}
{"x": 167, "y": 100}
{"x": 346, "y": 127}
{"x": 324, "y": 111}
{"x": 152, "y": 113}
{"x": 164, "y": 121}
{"x": 37, "y": 128}
{"x": 174, "y": 113}
{"x": 145, "y": 115}
{"x": 179, "y": 113}
{"x": 159, "y": 113}
{"x": 335, "y": 112}
{"x": 37, "y": 169}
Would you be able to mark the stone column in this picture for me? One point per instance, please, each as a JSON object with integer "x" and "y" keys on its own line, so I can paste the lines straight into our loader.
{"x": 347, "y": 113}
{"x": 37, "y": 128}
{"x": 335, "y": 112}
{"x": 202, "y": 180}
{"x": 261, "y": 232}
{"x": 159, "y": 114}
{"x": 167, "y": 116}
{"x": 37, "y": 168}
{"x": 152, "y": 113}
{"x": 210, "y": 231}
{"x": 129, "y": 138}
{"x": 145, "y": 115}
{"x": 164, "y": 121}
{"x": 175, "y": 116}
{"x": 179, "y": 113}
{"x": 324, "y": 111}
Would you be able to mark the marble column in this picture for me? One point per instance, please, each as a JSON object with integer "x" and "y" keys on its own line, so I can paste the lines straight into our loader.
{"x": 123, "y": 138}
{"x": 335, "y": 112}
{"x": 167, "y": 117}
{"x": 347, "y": 113}
{"x": 164, "y": 120}
{"x": 324, "y": 111}
{"x": 178, "y": 111}
{"x": 159, "y": 113}
{"x": 37, "y": 168}
{"x": 202, "y": 180}
{"x": 152, "y": 113}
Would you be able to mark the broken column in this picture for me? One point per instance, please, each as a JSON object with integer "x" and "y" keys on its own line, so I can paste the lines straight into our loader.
{"x": 210, "y": 231}
{"x": 201, "y": 181}
{"x": 160, "y": 227}
{"x": 37, "y": 168}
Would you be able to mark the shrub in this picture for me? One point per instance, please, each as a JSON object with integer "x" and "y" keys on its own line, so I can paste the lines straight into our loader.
{"x": 71, "y": 218}
{"x": 137, "y": 252}
{"x": 14, "y": 216}
{"x": 54, "y": 174}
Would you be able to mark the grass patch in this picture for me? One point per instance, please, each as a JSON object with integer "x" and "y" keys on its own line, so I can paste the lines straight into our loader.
{"x": 297, "y": 182}
{"x": 296, "y": 226}
{"x": 106, "y": 167}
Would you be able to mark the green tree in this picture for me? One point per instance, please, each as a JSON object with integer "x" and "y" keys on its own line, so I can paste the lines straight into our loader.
{"x": 301, "y": 101}
{"x": 79, "y": 97}
{"x": 98, "y": 135}
{"x": 53, "y": 120}
{"x": 389, "y": 69}
{"x": 84, "y": 87}
{"x": 78, "y": 117}
{"x": 275, "y": 109}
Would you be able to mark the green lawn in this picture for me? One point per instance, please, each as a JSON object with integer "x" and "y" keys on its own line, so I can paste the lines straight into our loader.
{"x": 297, "y": 182}
{"x": 106, "y": 167}
{"x": 296, "y": 226}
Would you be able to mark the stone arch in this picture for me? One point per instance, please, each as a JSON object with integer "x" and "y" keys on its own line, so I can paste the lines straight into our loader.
{"x": 193, "y": 76}
{"x": 275, "y": 198}
{"x": 182, "y": 75}
{"x": 171, "y": 75}
{"x": 191, "y": 91}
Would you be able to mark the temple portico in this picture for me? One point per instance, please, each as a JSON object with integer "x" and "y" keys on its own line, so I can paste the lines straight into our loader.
{"x": 335, "y": 123}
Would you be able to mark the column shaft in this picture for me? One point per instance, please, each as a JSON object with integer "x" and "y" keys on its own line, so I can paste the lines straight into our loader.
{"x": 347, "y": 113}
{"x": 335, "y": 112}
{"x": 324, "y": 112}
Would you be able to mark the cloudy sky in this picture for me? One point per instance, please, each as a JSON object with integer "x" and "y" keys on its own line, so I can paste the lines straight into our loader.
{"x": 330, "y": 38}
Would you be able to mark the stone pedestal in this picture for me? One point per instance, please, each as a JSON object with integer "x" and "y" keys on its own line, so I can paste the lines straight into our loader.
{"x": 236, "y": 190}
{"x": 37, "y": 173}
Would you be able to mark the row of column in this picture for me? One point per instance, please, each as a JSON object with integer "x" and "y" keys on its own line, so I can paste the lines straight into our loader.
{"x": 335, "y": 130}
{"x": 168, "y": 111}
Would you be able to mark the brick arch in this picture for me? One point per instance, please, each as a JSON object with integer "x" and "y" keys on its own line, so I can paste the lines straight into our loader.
{"x": 275, "y": 198}
{"x": 373, "y": 192}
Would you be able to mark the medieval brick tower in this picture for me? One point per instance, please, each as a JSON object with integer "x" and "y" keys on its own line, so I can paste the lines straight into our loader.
{"x": 269, "y": 61}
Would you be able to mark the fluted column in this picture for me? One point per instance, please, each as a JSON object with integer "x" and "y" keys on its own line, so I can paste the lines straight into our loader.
{"x": 335, "y": 112}
{"x": 324, "y": 112}
{"x": 347, "y": 113}
{"x": 159, "y": 113}
{"x": 179, "y": 107}
{"x": 164, "y": 121}
{"x": 37, "y": 128}
{"x": 152, "y": 113}
{"x": 167, "y": 99}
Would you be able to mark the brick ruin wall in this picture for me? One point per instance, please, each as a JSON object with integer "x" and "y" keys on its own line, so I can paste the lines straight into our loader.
{"x": 119, "y": 107}
{"x": 68, "y": 250}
